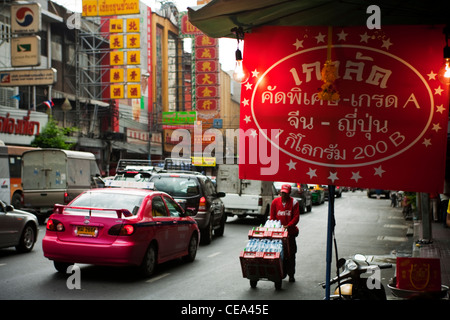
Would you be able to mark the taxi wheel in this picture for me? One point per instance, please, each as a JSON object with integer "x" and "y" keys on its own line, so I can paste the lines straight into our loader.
{"x": 148, "y": 265}
{"x": 192, "y": 249}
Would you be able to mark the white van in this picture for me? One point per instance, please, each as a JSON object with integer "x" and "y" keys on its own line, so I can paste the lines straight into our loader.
{"x": 55, "y": 176}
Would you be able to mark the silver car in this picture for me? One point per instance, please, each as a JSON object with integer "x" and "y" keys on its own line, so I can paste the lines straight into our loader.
{"x": 17, "y": 228}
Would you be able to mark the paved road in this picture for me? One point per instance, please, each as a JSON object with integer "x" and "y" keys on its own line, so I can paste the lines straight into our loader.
{"x": 367, "y": 226}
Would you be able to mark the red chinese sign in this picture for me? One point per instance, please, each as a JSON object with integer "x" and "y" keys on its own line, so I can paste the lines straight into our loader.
{"x": 388, "y": 130}
{"x": 206, "y": 78}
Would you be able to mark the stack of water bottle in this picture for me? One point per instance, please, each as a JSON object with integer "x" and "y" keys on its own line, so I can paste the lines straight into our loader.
{"x": 273, "y": 224}
{"x": 266, "y": 244}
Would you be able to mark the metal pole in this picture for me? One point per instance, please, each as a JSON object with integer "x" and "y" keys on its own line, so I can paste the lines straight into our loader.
{"x": 330, "y": 233}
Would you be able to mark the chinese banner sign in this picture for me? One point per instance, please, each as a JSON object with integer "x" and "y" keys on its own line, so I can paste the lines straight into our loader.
{"x": 387, "y": 129}
{"x": 206, "y": 77}
{"x": 125, "y": 38}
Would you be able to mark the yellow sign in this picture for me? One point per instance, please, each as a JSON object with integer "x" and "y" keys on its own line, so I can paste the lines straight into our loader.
{"x": 133, "y": 91}
{"x": 133, "y": 57}
{"x": 116, "y": 75}
{"x": 116, "y": 41}
{"x": 92, "y": 8}
{"x": 133, "y": 25}
{"x": 133, "y": 75}
{"x": 204, "y": 161}
{"x": 133, "y": 41}
{"x": 116, "y": 58}
{"x": 115, "y": 25}
{"x": 117, "y": 91}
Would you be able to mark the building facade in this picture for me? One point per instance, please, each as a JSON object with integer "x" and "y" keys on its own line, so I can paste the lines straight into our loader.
{"x": 79, "y": 49}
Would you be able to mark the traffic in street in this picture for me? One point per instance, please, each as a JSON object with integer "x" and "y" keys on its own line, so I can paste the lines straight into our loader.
{"x": 367, "y": 226}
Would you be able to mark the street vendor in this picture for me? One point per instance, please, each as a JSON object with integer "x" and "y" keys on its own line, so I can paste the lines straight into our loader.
{"x": 287, "y": 210}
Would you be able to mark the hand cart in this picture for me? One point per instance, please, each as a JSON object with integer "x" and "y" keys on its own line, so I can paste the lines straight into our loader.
{"x": 258, "y": 265}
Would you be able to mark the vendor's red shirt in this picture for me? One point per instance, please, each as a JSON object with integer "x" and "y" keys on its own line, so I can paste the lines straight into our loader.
{"x": 288, "y": 214}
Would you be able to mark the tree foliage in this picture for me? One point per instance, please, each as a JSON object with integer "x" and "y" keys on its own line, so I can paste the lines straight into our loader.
{"x": 53, "y": 136}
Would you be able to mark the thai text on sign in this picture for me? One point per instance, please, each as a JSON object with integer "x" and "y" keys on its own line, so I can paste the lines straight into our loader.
{"x": 389, "y": 122}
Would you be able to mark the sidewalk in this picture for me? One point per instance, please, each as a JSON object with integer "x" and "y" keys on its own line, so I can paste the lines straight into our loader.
{"x": 439, "y": 248}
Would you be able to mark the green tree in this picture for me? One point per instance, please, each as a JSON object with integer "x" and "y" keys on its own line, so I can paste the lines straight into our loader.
{"x": 53, "y": 136}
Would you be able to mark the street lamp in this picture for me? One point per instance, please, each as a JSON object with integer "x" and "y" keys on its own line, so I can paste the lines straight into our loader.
{"x": 240, "y": 73}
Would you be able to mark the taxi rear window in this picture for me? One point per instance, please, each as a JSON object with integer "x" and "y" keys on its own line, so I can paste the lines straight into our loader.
{"x": 177, "y": 186}
{"x": 131, "y": 202}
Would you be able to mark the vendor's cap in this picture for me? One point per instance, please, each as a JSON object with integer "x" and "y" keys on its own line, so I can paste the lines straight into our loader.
{"x": 286, "y": 188}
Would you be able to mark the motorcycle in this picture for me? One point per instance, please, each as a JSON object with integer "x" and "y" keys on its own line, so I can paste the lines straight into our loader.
{"x": 351, "y": 284}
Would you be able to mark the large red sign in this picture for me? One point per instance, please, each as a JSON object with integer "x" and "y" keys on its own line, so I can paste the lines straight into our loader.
{"x": 388, "y": 128}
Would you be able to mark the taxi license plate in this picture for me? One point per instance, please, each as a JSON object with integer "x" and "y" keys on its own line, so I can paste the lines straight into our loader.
{"x": 84, "y": 231}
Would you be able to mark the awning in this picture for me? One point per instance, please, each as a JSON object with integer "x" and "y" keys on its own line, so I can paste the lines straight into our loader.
{"x": 217, "y": 18}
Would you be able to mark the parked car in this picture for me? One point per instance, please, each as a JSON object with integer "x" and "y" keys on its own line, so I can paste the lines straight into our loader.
{"x": 17, "y": 228}
{"x": 371, "y": 192}
{"x": 337, "y": 191}
{"x": 300, "y": 192}
{"x": 195, "y": 191}
{"x": 317, "y": 193}
{"x": 120, "y": 226}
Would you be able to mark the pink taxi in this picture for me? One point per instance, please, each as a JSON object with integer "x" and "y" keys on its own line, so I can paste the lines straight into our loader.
{"x": 120, "y": 226}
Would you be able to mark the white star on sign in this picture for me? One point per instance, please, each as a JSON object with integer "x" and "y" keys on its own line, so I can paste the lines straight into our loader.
{"x": 247, "y": 119}
{"x": 245, "y": 102}
{"x": 387, "y": 43}
{"x": 248, "y": 86}
{"x": 436, "y": 127}
{"x": 440, "y": 108}
{"x": 253, "y": 133}
{"x": 438, "y": 91}
{"x": 427, "y": 142}
{"x": 333, "y": 176}
{"x": 432, "y": 75}
{"x": 364, "y": 37}
{"x": 320, "y": 37}
{"x": 291, "y": 165}
{"x": 342, "y": 35}
{"x": 355, "y": 176}
{"x": 298, "y": 44}
{"x": 255, "y": 73}
{"x": 312, "y": 173}
{"x": 379, "y": 171}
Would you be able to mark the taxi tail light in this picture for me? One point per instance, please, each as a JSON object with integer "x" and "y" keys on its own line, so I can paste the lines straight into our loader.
{"x": 122, "y": 230}
{"x": 202, "y": 204}
{"x": 55, "y": 225}
{"x": 260, "y": 202}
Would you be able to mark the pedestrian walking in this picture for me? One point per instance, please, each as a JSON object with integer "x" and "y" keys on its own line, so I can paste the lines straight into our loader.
{"x": 287, "y": 210}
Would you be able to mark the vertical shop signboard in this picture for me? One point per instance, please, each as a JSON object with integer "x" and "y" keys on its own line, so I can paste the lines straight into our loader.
{"x": 385, "y": 127}
{"x": 206, "y": 72}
